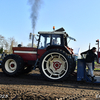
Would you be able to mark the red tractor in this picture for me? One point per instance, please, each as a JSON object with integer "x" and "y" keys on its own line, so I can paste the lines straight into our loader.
{"x": 52, "y": 56}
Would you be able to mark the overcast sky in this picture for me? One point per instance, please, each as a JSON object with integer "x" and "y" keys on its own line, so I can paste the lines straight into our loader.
{"x": 80, "y": 18}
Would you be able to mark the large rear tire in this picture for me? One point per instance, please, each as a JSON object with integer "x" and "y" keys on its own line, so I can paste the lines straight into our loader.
{"x": 12, "y": 65}
{"x": 55, "y": 65}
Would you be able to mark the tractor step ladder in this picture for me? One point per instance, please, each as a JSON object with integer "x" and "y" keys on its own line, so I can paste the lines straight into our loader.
{"x": 82, "y": 73}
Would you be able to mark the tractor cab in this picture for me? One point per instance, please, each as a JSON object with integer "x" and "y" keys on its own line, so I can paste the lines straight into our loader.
{"x": 54, "y": 39}
{"x": 50, "y": 39}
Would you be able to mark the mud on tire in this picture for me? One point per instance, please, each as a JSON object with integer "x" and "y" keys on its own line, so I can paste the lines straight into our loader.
{"x": 55, "y": 65}
{"x": 12, "y": 65}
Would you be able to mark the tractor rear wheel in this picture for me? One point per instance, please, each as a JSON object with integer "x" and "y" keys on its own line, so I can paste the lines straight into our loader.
{"x": 12, "y": 65}
{"x": 55, "y": 65}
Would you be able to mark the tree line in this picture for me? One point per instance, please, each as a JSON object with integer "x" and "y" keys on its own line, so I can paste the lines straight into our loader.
{"x": 5, "y": 44}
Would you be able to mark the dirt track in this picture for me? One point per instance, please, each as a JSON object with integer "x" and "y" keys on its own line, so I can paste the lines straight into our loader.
{"x": 34, "y": 87}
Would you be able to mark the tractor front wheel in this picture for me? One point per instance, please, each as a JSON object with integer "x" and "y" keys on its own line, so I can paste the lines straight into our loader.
{"x": 12, "y": 65}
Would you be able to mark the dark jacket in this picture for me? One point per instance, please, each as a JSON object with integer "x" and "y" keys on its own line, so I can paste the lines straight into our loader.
{"x": 90, "y": 57}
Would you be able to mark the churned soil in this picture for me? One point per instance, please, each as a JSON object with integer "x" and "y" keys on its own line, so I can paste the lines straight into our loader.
{"x": 34, "y": 87}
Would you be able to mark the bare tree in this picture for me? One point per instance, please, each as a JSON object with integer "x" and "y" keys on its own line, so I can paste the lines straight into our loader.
{"x": 30, "y": 45}
{"x": 6, "y": 45}
{"x": 12, "y": 41}
{"x": 2, "y": 41}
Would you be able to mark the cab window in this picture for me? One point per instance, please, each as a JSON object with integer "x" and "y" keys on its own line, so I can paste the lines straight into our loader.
{"x": 44, "y": 41}
{"x": 56, "y": 40}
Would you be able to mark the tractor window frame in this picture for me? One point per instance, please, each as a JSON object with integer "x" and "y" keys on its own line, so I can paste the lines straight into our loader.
{"x": 61, "y": 39}
{"x": 40, "y": 38}
{"x": 65, "y": 41}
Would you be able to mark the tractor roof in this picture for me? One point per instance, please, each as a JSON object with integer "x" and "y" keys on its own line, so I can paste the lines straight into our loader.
{"x": 58, "y": 31}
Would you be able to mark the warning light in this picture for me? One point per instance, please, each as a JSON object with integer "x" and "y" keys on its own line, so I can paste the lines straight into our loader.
{"x": 53, "y": 27}
{"x": 97, "y": 40}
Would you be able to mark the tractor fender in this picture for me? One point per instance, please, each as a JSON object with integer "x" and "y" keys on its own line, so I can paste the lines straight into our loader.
{"x": 59, "y": 47}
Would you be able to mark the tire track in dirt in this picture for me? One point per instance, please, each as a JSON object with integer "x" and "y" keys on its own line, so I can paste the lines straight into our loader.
{"x": 33, "y": 86}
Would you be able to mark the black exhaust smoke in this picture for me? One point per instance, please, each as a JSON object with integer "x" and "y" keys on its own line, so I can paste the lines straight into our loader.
{"x": 35, "y": 5}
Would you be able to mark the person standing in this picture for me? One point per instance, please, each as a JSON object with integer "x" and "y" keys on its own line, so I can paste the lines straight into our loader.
{"x": 90, "y": 57}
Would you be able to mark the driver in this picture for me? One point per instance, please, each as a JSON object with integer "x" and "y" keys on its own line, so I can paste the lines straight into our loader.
{"x": 54, "y": 42}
